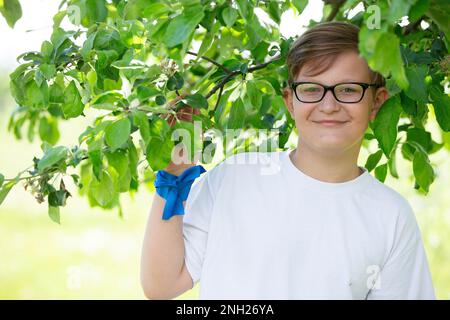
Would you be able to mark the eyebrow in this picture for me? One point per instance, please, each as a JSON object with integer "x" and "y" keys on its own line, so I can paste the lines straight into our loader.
{"x": 339, "y": 81}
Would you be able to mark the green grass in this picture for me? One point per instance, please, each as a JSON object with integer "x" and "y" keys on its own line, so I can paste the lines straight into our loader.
{"x": 90, "y": 256}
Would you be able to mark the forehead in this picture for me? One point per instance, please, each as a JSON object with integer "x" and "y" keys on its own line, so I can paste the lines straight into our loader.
{"x": 346, "y": 66}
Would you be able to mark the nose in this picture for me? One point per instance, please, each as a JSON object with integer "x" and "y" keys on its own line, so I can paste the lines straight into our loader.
{"x": 329, "y": 103}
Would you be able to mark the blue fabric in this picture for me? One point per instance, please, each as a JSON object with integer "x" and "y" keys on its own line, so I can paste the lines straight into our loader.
{"x": 175, "y": 189}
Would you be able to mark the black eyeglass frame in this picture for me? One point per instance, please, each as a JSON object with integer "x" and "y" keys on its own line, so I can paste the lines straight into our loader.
{"x": 364, "y": 85}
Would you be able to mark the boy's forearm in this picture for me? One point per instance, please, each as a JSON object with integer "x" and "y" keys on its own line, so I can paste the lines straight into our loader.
{"x": 163, "y": 249}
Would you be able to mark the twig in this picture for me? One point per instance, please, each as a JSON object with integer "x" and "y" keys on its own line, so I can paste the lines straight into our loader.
{"x": 337, "y": 4}
{"x": 413, "y": 26}
{"x": 234, "y": 73}
{"x": 218, "y": 98}
{"x": 212, "y": 61}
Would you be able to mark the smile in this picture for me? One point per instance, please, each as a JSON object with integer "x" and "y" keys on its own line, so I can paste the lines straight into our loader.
{"x": 331, "y": 123}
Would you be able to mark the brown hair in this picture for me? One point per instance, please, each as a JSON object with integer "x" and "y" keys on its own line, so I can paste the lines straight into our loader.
{"x": 320, "y": 44}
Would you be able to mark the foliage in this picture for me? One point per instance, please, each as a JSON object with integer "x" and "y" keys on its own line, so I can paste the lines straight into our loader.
{"x": 124, "y": 61}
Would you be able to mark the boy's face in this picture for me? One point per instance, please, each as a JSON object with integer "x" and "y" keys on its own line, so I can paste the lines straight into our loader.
{"x": 347, "y": 67}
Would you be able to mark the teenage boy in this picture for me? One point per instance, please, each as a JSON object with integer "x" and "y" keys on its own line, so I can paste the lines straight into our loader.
{"x": 320, "y": 227}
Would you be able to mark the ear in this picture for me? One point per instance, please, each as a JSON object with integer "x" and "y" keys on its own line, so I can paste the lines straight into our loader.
{"x": 287, "y": 97}
{"x": 381, "y": 95}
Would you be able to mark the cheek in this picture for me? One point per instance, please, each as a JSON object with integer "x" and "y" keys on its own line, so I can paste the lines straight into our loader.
{"x": 302, "y": 113}
{"x": 360, "y": 117}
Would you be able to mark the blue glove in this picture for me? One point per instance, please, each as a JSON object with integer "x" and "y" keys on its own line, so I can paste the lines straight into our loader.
{"x": 175, "y": 189}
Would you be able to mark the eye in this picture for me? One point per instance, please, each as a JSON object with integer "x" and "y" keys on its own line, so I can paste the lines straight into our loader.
{"x": 348, "y": 90}
{"x": 307, "y": 88}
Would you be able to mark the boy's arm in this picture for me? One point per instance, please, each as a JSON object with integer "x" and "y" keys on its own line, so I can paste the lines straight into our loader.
{"x": 405, "y": 275}
{"x": 163, "y": 271}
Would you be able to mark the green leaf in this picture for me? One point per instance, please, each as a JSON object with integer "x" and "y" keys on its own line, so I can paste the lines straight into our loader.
{"x": 159, "y": 127}
{"x": 159, "y": 152}
{"x": 385, "y": 123}
{"x": 255, "y": 31}
{"x": 146, "y": 92}
{"x": 6, "y": 188}
{"x": 245, "y": 9}
{"x": 441, "y": 104}
{"x": 181, "y": 27}
{"x": 133, "y": 163}
{"x": 160, "y": 100}
{"x": 409, "y": 105}
{"x": 300, "y": 5}
{"x": 11, "y": 10}
{"x": 56, "y": 96}
{"x": 108, "y": 39}
{"x": 420, "y": 136}
{"x": 102, "y": 191}
{"x": 423, "y": 171}
{"x": 58, "y": 198}
{"x": 208, "y": 40}
{"x": 58, "y": 17}
{"x": 48, "y": 129}
{"x": 88, "y": 45}
{"x": 417, "y": 89}
{"x": 438, "y": 11}
{"x": 392, "y": 162}
{"x": 398, "y": 9}
{"x": 229, "y": 16}
{"x": 37, "y": 95}
{"x": 109, "y": 100}
{"x": 260, "y": 51}
{"x": 95, "y": 12}
{"x": 142, "y": 8}
{"x": 417, "y": 10}
{"x": 175, "y": 82}
{"x": 2, "y": 179}
{"x": 120, "y": 162}
{"x": 72, "y": 106}
{"x": 197, "y": 101}
{"x": 53, "y": 213}
{"x": 97, "y": 162}
{"x": 51, "y": 157}
{"x": 274, "y": 11}
{"x": 254, "y": 94}
{"x": 140, "y": 119}
{"x": 237, "y": 115}
{"x": 117, "y": 133}
{"x": 373, "y": 160}
{"x": 48, "y": 70}
{"x": 381, "y": 172}
{"x": 387, "y": 59}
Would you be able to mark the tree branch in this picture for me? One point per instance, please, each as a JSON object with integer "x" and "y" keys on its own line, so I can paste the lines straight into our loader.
{"x": 337, "y": 4}
{"x": 413, "y": 26}
{"x": 211, "y": 60}
{"x": 218, "y": 98}
{"x": 234, "y": 73}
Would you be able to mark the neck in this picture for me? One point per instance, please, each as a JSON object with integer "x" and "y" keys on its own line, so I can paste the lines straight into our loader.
{"x": 327, "y": 167}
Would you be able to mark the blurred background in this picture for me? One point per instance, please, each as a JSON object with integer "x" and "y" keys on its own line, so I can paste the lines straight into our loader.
{"x": 94, "y": 254}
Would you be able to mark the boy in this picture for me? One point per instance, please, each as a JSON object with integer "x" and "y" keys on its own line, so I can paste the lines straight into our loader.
{"x": 321, "y": 227}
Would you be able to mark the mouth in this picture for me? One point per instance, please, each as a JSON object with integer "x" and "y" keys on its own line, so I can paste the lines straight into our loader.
{"x": 331, "y": 123}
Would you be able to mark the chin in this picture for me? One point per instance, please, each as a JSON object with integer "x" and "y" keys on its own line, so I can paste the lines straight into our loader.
{"x": 332, "y": 146}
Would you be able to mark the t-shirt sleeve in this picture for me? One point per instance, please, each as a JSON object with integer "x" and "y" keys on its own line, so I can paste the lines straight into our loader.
{"x": 405, "y": 274}
{"x": 196, "y": 220}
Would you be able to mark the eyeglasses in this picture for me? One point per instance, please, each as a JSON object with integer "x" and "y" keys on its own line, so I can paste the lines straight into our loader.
{"x": 348, "y": 92}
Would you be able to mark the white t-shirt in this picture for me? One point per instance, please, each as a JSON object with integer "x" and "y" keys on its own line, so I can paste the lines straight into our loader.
{"x": 256, "y": 227}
